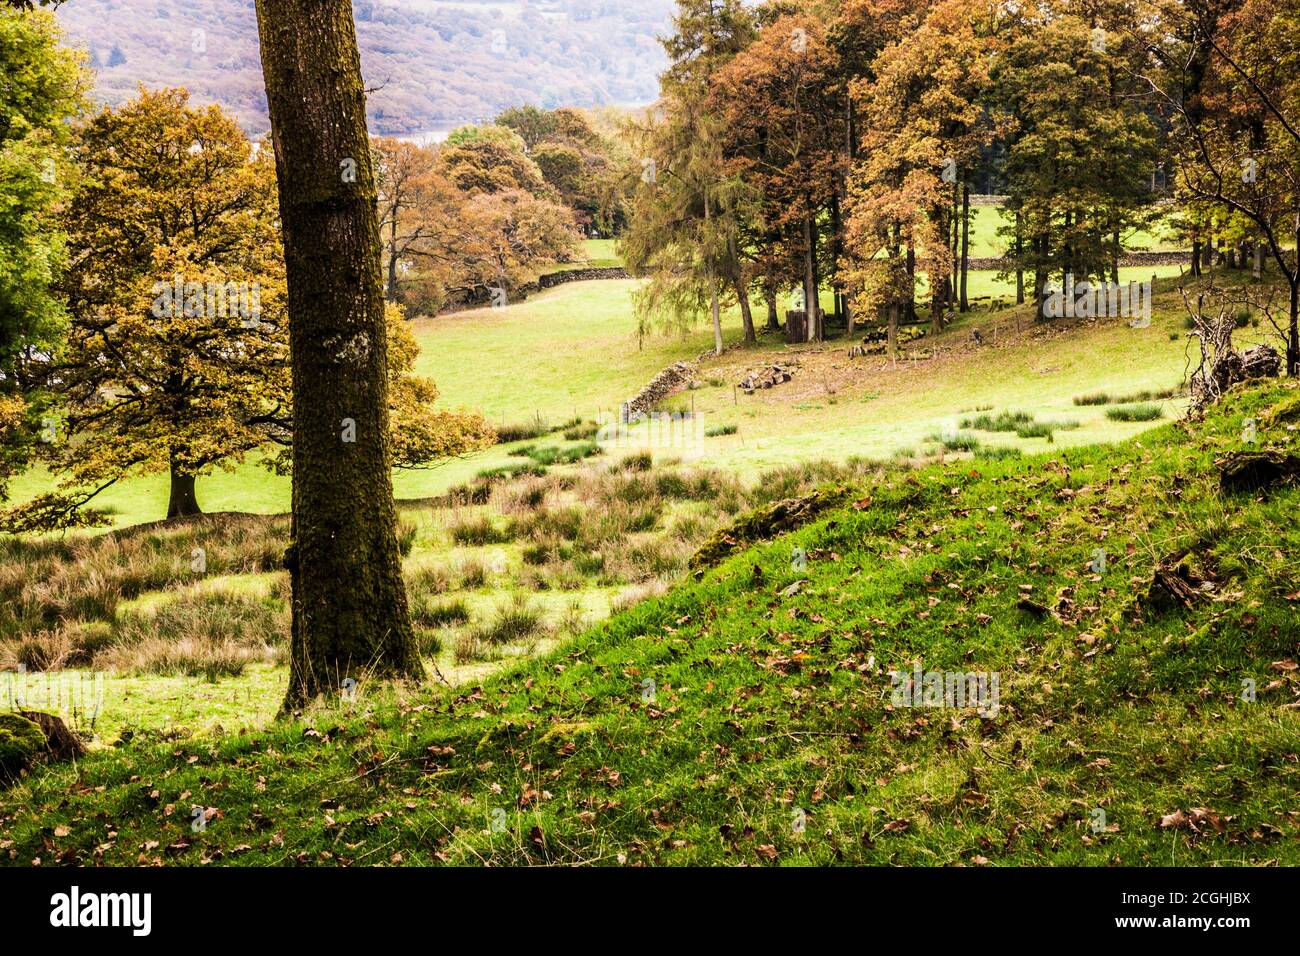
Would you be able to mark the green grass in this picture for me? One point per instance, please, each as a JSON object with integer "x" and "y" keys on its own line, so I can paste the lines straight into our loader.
{"x": 1002, "y": 422}
{"x": 985, "y": 242}
{"x": 700, "y": 727}
{"x": 594, "y": 254}
{"x": 505, "y": 363}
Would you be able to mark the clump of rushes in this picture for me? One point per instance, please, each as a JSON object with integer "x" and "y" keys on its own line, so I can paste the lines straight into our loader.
{"x": 717, "y": 431}
{"x": 480, "y": 530}
{"x": 513, "y": 623}
{"x": 1037, "y": 430}
{"x": 523, "y": 432}
{"x": 642, "y": 461}
{"x": 1135, "y": 413}
{"x": 1003, "y": 422}
{"x": 522, "y": 470}
{"x": 956, "y": 442}
{"x": 429, "y": 613}
{"x": 1146, "y": 395}
{"x": 583, "y": 431}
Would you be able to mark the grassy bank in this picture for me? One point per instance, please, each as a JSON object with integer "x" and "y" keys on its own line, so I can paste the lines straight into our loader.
{"x": 746, "y": 716}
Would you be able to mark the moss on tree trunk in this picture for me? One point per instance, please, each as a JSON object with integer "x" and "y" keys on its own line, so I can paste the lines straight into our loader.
{"x": 350, "y": 614}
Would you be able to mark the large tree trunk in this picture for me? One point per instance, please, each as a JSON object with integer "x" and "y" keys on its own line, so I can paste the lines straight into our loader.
{"x": 965, "y": 242}
{"x": 810, "y": 296}
{"x": 819, "y": 329}
{"x": 182, "y": 503}
{"x": 1020, "y": 249}
{"x": 741, "y": 286}
{"x": 715, "y": 308}
{"x": 773, "y": 313}
{"x": 350, "y": 615}
{"x": 746, "y": 313}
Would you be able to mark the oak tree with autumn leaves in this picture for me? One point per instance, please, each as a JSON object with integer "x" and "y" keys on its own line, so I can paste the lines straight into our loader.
{"x": 451, "y": 236}
{"x": 176, "y": 358}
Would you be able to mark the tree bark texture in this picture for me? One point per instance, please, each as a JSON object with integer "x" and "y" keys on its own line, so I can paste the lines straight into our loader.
{"x": 350, "y": 615}
{"x": 182, "y": 502}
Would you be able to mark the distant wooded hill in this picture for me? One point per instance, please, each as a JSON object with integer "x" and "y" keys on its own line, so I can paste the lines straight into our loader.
{"x": 430, "y": 64}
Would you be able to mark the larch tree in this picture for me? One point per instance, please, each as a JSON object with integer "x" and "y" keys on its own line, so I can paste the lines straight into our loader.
{"x": 684, "y": 223}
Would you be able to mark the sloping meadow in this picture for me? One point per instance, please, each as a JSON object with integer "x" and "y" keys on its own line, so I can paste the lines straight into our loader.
{"x": 777, "y": 708}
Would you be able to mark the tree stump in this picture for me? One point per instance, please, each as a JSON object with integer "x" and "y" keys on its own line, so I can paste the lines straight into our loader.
{"x": 1173, "y": 586}
{"x": 60, "y": 742}
{"x": 1250, "y": 471}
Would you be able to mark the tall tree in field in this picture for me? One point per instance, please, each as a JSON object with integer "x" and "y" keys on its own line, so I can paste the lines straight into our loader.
{"x": 1079, "y": 155}
{"x": 350, "y": 612}
{"x": 783, "y": 126}
{"x": 501, "y": 241}
{"x": 857, "y": 30}
{"x": 176, "y": 352}
{"x": 41, "y": 85}
{"x": 924, "y": 125}
{"x": 174, "y": 294}
{"x": 684, "y": 223}
{"x": 410, "y": 190}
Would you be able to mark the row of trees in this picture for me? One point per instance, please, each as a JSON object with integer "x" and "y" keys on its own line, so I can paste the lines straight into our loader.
{"x": 836, "y": 144}
{"x": 481, "y": 215}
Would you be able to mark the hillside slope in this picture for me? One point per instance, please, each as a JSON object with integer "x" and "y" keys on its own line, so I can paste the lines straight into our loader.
{"x": 431, "y": 65}
{"x": 746, "y": 716}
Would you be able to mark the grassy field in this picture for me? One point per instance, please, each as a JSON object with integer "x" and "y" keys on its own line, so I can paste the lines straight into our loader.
{"x": 514, "y": 569}
{"x": 574, "y": 352}
{"x": 1016, "y": 392}
{"x": 984, "y": 241}
{"x": 749, "y": 715}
